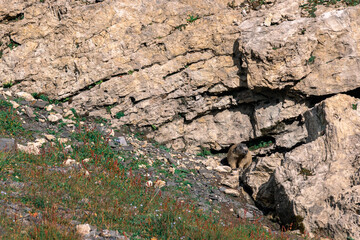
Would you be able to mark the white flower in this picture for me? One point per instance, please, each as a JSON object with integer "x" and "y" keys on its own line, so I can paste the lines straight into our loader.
{"x": 149, "y": 183}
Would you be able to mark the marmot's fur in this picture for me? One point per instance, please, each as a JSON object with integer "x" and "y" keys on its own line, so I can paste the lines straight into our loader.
{"x": 239, "y": 156}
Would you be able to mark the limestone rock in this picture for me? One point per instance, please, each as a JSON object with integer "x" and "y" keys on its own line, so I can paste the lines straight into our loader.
{"x": 232, "y": 192}
{"x": 14, "y": 104}
{"x": 316, "y": 182}
{"x": 223, "y": 169}
{"x": 142, "y": 57}
{"x": 32, "y": 147}
{"x": 54, "y": 117}
{"x": 83, "y": 229}
{"x": 315, "y": 56}
{"x": 70, "y": 162}
{"x": 258, "y": 176}
{"x": 25, "y": 95}
{"x": 231, "y": 181}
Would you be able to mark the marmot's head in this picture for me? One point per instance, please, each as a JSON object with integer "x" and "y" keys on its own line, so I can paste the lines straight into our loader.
{"x": 241, "y": 149}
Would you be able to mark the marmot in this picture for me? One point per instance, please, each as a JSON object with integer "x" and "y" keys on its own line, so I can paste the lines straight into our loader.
{"x": 239, "y": 156}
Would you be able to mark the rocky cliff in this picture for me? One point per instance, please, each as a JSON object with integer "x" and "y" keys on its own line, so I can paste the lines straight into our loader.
{"x": 201, "y": 75}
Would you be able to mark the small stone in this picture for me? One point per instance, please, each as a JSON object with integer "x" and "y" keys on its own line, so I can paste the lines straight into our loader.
{"x": 242, "y": 213}
{"x": 69, "y": 121}
{"x": 86, "y": 160}
{"x": 29, "y": 112}
{"x": 69, "y": 162}
{"x": 105, "y": 233}
{"x": 223, "y": 169}
{"x": 57, "y": 109}
{"x": 27, "y": 96}
{"x": 212, "y": 163}
{"x": 83, "y": 229}
{"x": 49, "y": 107}
{"x": 230, "y": 181}
{"x": 121, "y": 141}
{"x": 54, "y": 117}
{"x": 68, "y": 113}
{"x": 232, "y": 192}
{"x": 267, "y": 21}
{"x": 8, "y": 93}
{"x": 63, "y": 140}
{"x": 49, "y": 137}
{"x": 39, "y": 103}
{"x": 14, "y": 104}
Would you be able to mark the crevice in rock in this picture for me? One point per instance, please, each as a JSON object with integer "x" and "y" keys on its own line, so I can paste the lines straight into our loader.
{"x": 287, "y": 121}
{"x": 15, "y": 18}
{"x": 354, "y": 93}
{"x": 313, "y": 100}
{"x": 260, "y": 142}
{"x": 213, "y": 112}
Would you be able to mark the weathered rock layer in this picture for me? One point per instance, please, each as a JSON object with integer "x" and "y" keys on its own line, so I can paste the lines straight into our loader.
{"x": 210, "y": 75}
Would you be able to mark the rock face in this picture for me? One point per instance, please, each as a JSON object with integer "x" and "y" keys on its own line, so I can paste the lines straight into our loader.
{"x": 302, "y": 52}
{"x": 319, "y": 180}
{"x": 202, "y": 75}
{"x": 315, "y": 186}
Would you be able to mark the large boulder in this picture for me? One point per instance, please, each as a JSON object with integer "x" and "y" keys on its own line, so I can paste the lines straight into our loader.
{"x": 316, "y": 186}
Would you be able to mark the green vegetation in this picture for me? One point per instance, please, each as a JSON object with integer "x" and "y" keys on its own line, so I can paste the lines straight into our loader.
{"x": 10, "y": 122}
{"x": 204, "y": 152}
{"x": 130, "y": 72}
{"x": 311, "y": 60}
{"x": 103, "y": 192}
{"x": 306, "y": 172}
{"x": 261, "y": 144}
{"x": 109, "y": 191}
{"x": 310, "y": 6}
{"x": 181, "y": 27}
{"x": 354, "y": 106}
{"x": 47, "y": 99}
{"x": 192, "y": 18}
{"x": 8, "y": 85}
{"x": 95, "y": 84}
{"x": 13, "y": 44}
{"x": 119, "y": 115}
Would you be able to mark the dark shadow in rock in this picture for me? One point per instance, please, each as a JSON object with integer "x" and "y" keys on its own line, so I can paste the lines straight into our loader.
{"x": 237, "y": 59}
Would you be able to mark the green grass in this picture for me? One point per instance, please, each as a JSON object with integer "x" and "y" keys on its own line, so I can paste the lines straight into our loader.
{"x": 10, "y": 123}
{"x": 192, "y": 18}
{"x": 311, "y": 60}
{"x": 119, "y": 115}
{"x": 310, "y": 6}
{"x": 113, "y": 196}
{"x": 204, "y": 152}
{"x": 117, "y": 198}
{"x": 261, "y": 144}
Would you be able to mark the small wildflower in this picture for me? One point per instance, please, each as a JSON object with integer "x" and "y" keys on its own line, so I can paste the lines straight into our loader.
{"x": 149, "y": 183}
{"x": 2, "y": 192}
